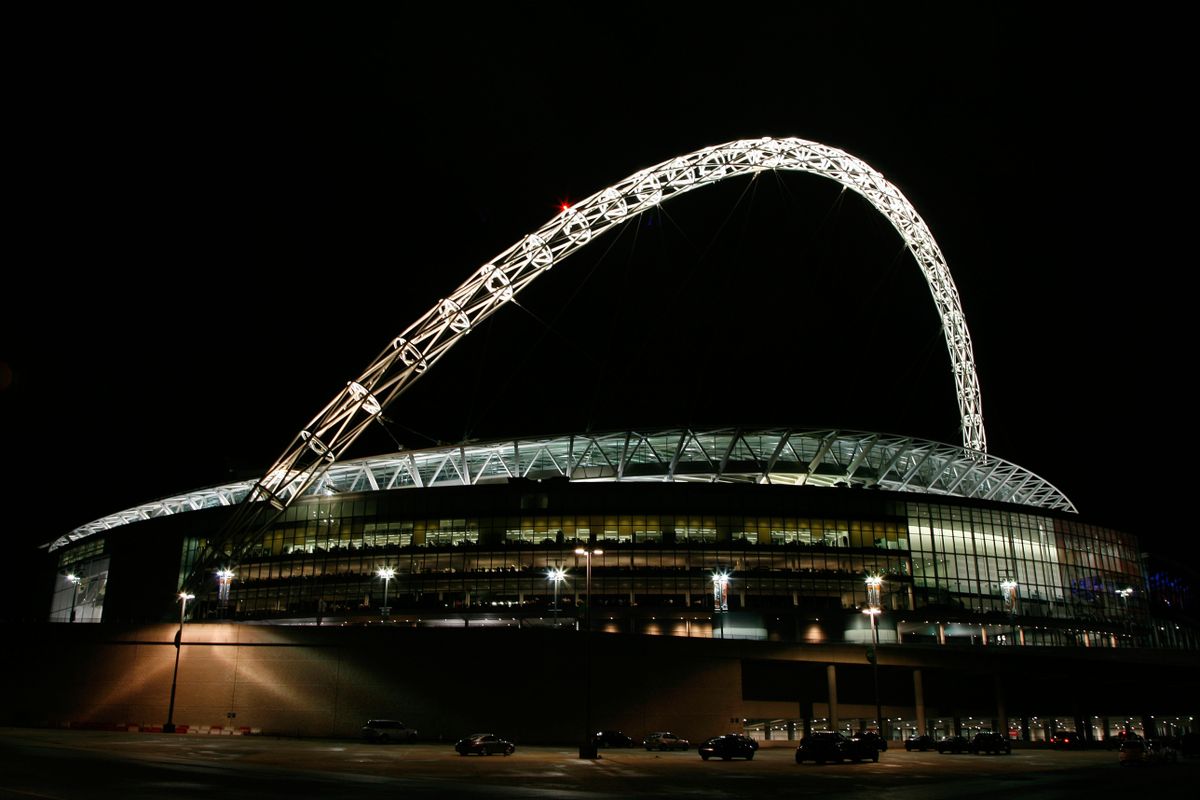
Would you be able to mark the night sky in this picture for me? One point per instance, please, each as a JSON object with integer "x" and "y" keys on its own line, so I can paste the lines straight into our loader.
{"x": 218, "y": 218}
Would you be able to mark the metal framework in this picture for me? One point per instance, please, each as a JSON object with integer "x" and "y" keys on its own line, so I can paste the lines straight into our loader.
{"x": 819, "y": 457}
{"x": 323, "y": 441}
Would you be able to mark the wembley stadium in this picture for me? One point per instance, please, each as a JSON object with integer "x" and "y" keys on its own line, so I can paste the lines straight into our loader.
{"x": 769, "y": 580}
{"x": 789, "y": 520}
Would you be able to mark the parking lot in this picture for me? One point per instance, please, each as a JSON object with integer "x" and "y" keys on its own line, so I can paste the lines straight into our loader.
{"x": 62, "y": 764}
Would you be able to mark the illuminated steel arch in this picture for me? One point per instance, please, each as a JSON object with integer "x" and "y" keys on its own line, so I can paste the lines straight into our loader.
{"x": 409, "y": 355}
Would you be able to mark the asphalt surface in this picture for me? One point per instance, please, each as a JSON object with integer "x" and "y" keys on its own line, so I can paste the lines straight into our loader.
{"x": 72, "y": 764}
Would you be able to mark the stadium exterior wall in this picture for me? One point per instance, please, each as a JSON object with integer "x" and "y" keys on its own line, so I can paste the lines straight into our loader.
{"x": 526, "y": 683}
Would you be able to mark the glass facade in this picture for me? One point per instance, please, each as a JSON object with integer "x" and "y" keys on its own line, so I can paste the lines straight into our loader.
{"x": 80, "y": 584}
{"x": 324, "y": 557}
{"x": 953, "y": 573}
{"x": 1025, "y": 565}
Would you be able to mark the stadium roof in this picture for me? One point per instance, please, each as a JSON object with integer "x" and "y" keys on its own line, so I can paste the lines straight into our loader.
{"x": 793, "y": 457}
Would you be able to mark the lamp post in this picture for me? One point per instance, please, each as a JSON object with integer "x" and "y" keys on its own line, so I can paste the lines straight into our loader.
{"x": 557, "y": 575}
{"x": 587, "y": 749}
{"x": 387, "y": 573}
{"x": 720, "y": 581}
{"x": 74, "y": 579}
{"x": 224, "y": 579}
{"x": 1124, "y": 595}
{"x": 169, "y": 727}
{"x": 874, "y": 609}
{"x": 1008, "y": 587}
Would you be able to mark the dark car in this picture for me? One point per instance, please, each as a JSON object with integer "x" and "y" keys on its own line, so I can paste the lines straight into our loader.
{"x": 1133, "y": 751}
{"x": 1066, "y": 740}
{"x": 921, "y": 743}
{"x": 485, "y": 744}
{"x": 990, "y": 743}
{"x": 874, "y": 739}
{"x": 822, "y": 746}
{"x": 612, "y": 739}
{"x": 730, "y": 745}
{"x": 953, "y": 744}
{"x": 665, "y": 740}
{"x": 1164, "y": 749}
{"x": 384, "y": 731}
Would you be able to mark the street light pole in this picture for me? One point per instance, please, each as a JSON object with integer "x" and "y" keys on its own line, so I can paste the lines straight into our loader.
{"x": 874, "y": 609}
{"x": 1127, "y": 623}
{"x": 720, "y": 581}
{"x": 557, "y": 575}
{"x": 183, "y": 601}
{"x": 74, "y": 579}
{"x": 1009, "y": 587}
{"x": 224, "y": 579}
{"x": 387, "y": 573}
{"x": 587, "y": 749}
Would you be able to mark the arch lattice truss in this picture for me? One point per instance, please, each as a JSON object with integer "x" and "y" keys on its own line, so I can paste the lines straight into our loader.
{"x": 727, "y": 455}
{"x": 409, "y": 355}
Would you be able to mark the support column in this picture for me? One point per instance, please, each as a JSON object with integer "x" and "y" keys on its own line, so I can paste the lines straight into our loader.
{"x": 831, "y": 679}
{"x": 957, "y": 726}
{"x": 983, "y": 634}
{"x": 919, "y": 701}
{"x": 941, "y": 634}
{"x": 1025, "y": 729}
{"x": 1001, "y": 715}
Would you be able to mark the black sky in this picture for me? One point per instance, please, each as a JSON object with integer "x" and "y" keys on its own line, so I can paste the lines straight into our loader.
{"x": 220, "y": 217}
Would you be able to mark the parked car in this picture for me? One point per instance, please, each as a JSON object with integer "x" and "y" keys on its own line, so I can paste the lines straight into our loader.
{"x": 383, "y": 731}
{"x": 921, "y": 743}
{"x": 953, "y": 744}
{"x": 1133, "y": 751}
{"x": 1164, "y": 750}
{"x": 990, "y": 743}
{"x": 873, "y": 738}
{"x": 1066, "y": 740}
{"x": 730, "y": 745}
{"x": 612, "y": 739}
{"x": 484, "y": 744}
{"x": 665, "y": 740}
{"x": 822, "y": 746}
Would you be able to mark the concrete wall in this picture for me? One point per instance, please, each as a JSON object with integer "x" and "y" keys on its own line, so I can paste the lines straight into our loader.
{"x": 530, "y": 684}
{"x": 527, "y": 684}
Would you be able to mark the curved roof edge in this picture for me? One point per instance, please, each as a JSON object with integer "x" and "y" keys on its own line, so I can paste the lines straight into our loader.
{"x": 797, "y": 457}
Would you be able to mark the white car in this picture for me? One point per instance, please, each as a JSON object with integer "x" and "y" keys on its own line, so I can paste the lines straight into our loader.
{"x": 385, "y": 731}
{"x": 665, "y": 740}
